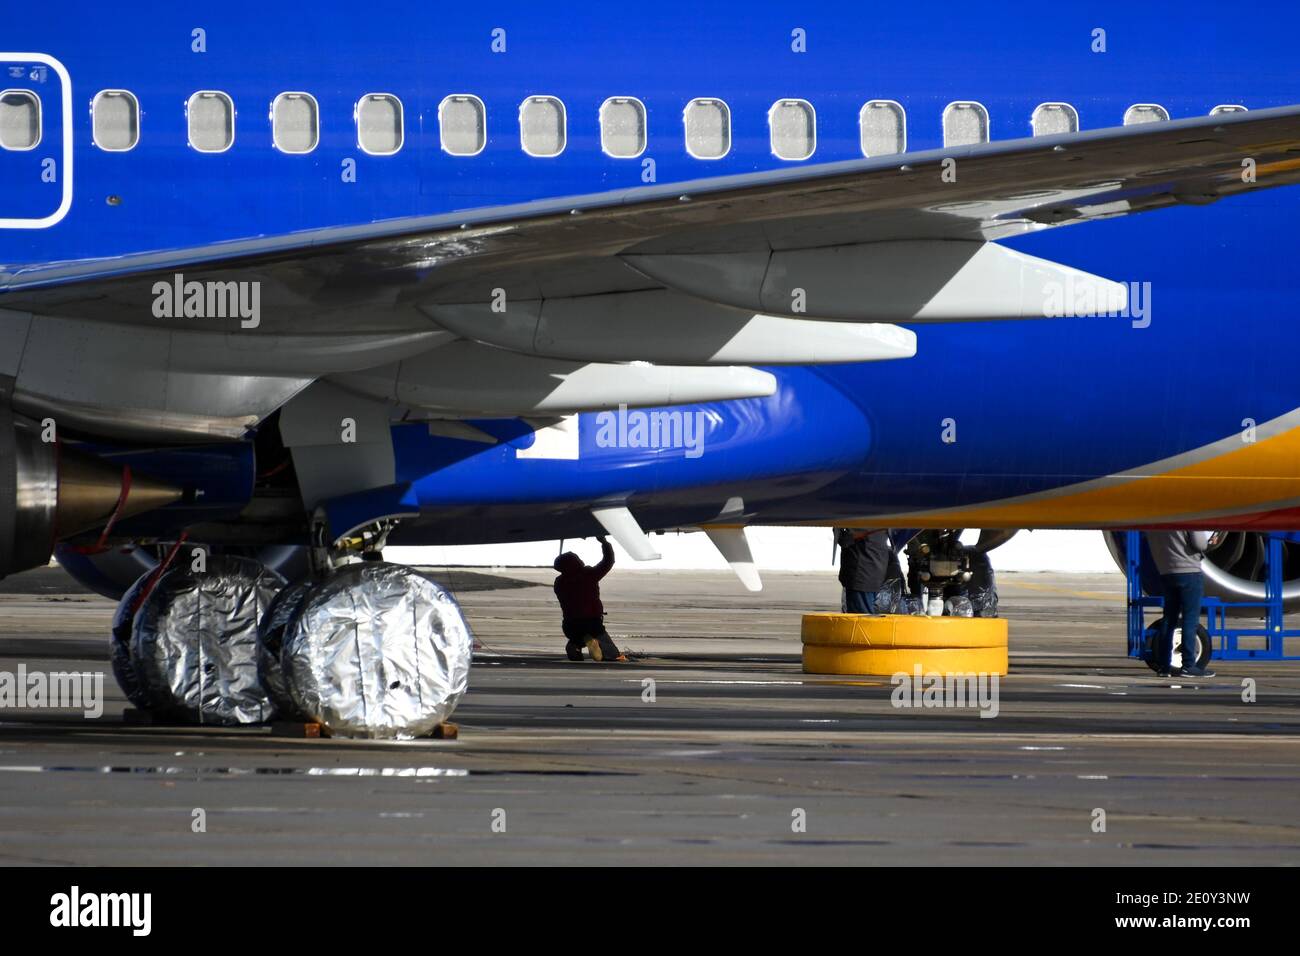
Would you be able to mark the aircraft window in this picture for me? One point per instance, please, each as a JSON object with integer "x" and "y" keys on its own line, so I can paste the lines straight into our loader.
{"x": 965, "y": 124}
{"x": 793, "y": 128}
{"x": 295, "y": 122}
{"x": 115, "y": 117}
{"x": 20, "y": 120}
{"x": 1145, "y": 113}
{"x": 211, "y": 116}
{"x": 1227, "y": 108}
{"x": 882, "y": 127}
{"x": 463, "y": 121}
{"x": 622, "y": 127}
{"x": 542, "y": 126}
{"x": 708, "y": 128}
{"x": 380, "y": 130}
{"x": 1052, "y": 119}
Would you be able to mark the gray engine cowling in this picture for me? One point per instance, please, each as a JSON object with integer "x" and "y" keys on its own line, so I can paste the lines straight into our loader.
{"x": 50, "y": 490}
{"x": 1234, "y": 568}
{"x": 29, "y": 495}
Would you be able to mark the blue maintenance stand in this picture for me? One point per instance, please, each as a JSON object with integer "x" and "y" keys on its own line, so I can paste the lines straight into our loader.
{"x": 1267, "y": 643}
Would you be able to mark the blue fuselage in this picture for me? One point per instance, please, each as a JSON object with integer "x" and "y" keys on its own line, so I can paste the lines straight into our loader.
{"x": 1034, "y": 405}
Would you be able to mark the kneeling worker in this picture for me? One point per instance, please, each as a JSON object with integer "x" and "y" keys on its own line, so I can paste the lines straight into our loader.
{"x": 578, "y": 588}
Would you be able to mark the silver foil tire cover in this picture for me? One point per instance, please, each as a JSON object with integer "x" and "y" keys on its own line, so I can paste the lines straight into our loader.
{"x": 194, "y": 642}
{"x": 270, "y": 635}
{"x": 378, "y": 650}
{"x": 124, "y": 666}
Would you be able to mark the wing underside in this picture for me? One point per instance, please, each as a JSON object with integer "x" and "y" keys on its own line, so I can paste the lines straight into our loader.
{"x": 694, "y": 282}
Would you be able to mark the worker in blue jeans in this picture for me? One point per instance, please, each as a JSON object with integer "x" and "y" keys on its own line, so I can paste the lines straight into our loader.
{"x": 1178, "y": 556}
{"x": 864, "y": 567}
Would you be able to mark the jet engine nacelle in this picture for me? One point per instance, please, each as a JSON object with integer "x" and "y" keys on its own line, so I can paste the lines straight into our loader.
{"x": 49, "y": 491}
{"x": 1233, "y": 569}
{"x": 28, "y": 496}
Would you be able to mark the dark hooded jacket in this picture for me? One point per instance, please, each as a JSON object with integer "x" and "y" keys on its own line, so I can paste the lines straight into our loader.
{"x": 864, "y": 561}
{"x": 578, "y": 586}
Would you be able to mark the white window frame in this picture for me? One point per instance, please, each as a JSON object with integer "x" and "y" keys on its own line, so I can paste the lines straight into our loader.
{"x": 40, "y": 120}
{"x": 771, "y": 142}
{"x": 1152, "y": 106}
{"x": 645, "y": 118}
{"x": 442, "y": 138}
{"x": 135, "y": 101}
{"x": 564, "y": 125}
{"x": 1228, "y": 108}
{"x": 686, "y": 139}
{"x": 315, "y": 111}
{"x": 966, "y": 104}
{"x": 234, "y": 116}
{"x": 401, "y": 123}
{"x": 1065, "y": 106}
{"x": 862, "y": 113}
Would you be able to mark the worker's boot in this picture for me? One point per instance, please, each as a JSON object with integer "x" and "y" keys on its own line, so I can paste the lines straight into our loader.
{"x": 603, "y": 649}
{"x": 573, "y": 651}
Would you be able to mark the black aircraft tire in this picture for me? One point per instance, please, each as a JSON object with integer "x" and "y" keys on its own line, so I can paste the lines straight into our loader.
{"x": 1204, "y": 648}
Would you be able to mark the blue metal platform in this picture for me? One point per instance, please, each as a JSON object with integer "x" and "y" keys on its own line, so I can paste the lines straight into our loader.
{"x": 1266, "y": 643}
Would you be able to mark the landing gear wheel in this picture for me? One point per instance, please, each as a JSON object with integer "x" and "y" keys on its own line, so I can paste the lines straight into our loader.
{"x": 270, "y": 642}
{"x": 1153, "y": 649}
{"x": 124, "y": 669}
{"x": 377, "y": 650}
{"x": 194, "y": 642}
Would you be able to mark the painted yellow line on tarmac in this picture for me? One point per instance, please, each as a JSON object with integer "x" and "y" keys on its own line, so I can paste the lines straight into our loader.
{"x": 1090, "y": 595}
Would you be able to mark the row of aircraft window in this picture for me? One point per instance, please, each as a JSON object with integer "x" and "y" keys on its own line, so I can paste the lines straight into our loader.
{"x": 462, "y": 123}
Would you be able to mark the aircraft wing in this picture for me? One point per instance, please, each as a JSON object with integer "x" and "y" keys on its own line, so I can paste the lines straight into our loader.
{"x": 572, "y": 246}
{"x": 532, "y": 310}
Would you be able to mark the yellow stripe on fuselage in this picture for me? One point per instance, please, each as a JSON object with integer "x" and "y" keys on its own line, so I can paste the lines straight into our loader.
{"x": 1253, "y": 477}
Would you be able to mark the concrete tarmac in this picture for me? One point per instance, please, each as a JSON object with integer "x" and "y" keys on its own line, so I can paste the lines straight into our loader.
{"x": 739, "y": 758}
